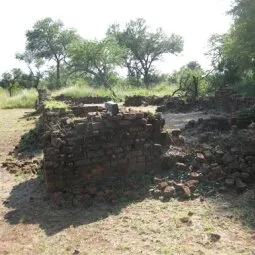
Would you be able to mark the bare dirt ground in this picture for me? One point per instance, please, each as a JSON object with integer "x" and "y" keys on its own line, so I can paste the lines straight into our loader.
{"x": 178, "y": 120}
{"x": 29, "y": 225}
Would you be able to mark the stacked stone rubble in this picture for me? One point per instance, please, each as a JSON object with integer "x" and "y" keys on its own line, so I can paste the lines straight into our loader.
{"x": 83, "y": 151}
{"x": 74, "y": 101}
{"x": 226, "y": 99}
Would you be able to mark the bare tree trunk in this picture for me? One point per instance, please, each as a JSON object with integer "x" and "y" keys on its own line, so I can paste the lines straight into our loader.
{"x": 58, "y": 73}
{"x": 146, "y": 78}
{"x": 10, "y": 89}
{"x": 10, "y": 92}
{"x": 195, "y": 81}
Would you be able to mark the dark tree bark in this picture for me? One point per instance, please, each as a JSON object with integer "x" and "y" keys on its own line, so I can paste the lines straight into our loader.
{"x": 58, "y": 73}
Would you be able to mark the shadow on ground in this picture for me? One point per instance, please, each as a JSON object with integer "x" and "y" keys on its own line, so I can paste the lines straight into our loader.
{"x": 30, "y": 143}
{"x": 29, "y": 205}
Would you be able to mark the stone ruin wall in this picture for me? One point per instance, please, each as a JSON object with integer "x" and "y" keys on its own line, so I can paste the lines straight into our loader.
{"x": 228, "y": 100}
{"x": 82, "y": 100}
{"x": 85, "y": 144}
{"x": 225, "y": 99}
{"x": 83, "y": 148}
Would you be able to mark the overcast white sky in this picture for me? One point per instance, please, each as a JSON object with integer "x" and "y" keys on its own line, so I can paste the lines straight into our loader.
{"x": 195, "y": 20}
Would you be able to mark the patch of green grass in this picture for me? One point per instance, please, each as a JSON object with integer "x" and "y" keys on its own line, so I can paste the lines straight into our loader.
{"x": 123, "y": 247}
{"x": 51, "y": 104}
{"x": 23, "y": 99}
{"x": 120, "y": 91}
{"x": 79, "y": 91}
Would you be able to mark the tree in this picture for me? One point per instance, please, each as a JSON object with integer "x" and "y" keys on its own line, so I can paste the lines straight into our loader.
{"x": 96, "y": 58}
{"x": 144, "y": 48}
{"x": 49, "y": 40}
{"x": 190, "y": 79}
{"x": 34, "y": 65}
{"x": 223, "y": 59}
{"x": 9, "y": 79}
{"x": 242, "y": 33}
{"x": 233, "y": 53}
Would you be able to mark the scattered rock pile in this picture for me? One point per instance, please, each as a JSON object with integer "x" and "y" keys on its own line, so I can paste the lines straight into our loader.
{"x": 27, "y": 166}
{"x": 225, "y": 156}
{"x": 175, "y": 104}
{"x": 213, "y": 123}
{"x": 244, "y": 117}
{"x": 144, "y": 100}
{"x": 166, "y": 189}
{"x": 226, "y": 99}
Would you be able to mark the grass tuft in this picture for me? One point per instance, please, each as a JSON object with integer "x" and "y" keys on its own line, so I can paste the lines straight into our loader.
{"x": 27, "y": 98}
{"x": 51, "y": 104}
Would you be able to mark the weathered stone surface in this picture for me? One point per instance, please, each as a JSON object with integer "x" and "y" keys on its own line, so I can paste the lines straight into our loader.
{"x": 112, "y": 108}
{"x": 98, "y": 146}
{"x": 169, "y": 191}
{"x": 175, "y": 132}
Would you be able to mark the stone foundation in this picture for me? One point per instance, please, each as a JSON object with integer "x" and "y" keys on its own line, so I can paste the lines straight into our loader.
{"x": 82, "y": 100}
{"x": 98, "y": 147}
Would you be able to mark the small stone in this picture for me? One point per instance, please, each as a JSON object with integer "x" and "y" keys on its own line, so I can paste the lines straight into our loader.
{"x": 169, "y": 191}
{"x": 240, "y": 184}
{"x": 185, "y": 220}
{"x": 161, "y": 198}
{"x": 200, "y": 156}
{"x": 157, "y": 179}
{"x": 186, "y": 191}
{"x": 191, "y": 123}
{"x": 157, "y": 193}
{"x": 112, "y": 108}
{"x": 162, "y": 185}
{"x": 190, "y": 213}
{"x": 219, "y": 153}
{"x": 208, "y": 154}
{"x": 195, "y": 175}
{"x": 180, "y": 166}
{"x": 192, "y": 184}
{"x": 176, "y": 132}
{"x": 230, "y": 182}
{"x": 214, "y": 237}
{"x": 227, "y": 158}
{"x": 245, "y": 176}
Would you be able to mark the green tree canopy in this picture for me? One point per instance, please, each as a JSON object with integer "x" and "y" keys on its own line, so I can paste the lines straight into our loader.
{"x": 96, "y": 58}
{"x": 15, "y": 76}
{"x": 49, "y": 40}
{"x": 143, "y": 47}
{"x": 34, "y": 65}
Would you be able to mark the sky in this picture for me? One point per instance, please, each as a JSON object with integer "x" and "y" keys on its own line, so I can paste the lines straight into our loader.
{"x": 195, "y": 20}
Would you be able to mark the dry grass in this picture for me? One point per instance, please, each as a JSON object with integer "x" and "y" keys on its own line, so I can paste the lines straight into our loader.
{"x": 29, "y": 225}
{"x": 21, "y": 99}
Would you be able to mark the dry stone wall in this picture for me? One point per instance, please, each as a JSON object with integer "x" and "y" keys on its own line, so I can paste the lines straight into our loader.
{"x": 95, "y": 148}
{"x": 228, "y": 100}
{"x": 82, "y": 100}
